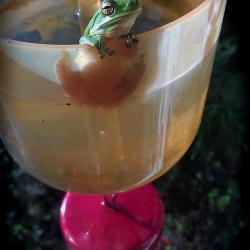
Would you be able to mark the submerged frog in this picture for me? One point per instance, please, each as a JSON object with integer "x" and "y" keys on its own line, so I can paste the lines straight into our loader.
{"x": 113, "y": 18}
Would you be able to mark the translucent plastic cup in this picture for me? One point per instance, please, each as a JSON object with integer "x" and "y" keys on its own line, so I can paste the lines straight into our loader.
{"x": 85, "y": 124}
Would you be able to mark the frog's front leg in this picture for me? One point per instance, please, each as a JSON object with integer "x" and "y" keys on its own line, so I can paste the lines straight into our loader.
{"x": 97, "y": 41}
{"x": 103, "y": 49}
{"x": 130, "y": 39}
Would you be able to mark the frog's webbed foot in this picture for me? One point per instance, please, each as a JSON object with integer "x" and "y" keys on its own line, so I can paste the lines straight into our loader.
{"x": 108, "y": 51}
{"x": 103, "y": 49}
{"x": 130, "y": 39}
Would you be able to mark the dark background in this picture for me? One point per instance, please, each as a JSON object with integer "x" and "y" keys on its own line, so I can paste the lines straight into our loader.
{"x": 206, "y": 195}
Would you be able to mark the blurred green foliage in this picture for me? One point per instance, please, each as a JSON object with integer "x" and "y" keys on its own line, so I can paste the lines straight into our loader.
{"x": 202, "y": 194}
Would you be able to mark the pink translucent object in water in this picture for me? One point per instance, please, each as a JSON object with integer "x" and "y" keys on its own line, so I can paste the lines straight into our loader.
{"x": 133, "y": 221}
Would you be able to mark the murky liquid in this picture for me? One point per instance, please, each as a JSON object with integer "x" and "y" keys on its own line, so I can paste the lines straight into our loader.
{"x": 62, "y": 25}
{"x": 90, "y": 149}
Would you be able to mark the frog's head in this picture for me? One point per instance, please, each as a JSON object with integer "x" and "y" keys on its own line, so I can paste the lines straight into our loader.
{"x": 117, "y": 16}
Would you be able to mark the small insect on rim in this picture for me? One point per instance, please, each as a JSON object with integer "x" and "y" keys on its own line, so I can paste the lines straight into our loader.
{"x": 107, "y": 8}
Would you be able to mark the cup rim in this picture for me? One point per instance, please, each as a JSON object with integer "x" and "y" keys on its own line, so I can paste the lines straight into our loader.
{"x": 78, "y": 46}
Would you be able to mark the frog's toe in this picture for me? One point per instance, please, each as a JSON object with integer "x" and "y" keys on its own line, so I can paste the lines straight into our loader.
{"x": 102, "y": 54}
{"x": 131, "y": 39}
{"x": 109, "y": 52}
{"x": 129, "y": 43}
{"x": 135, "y": 40}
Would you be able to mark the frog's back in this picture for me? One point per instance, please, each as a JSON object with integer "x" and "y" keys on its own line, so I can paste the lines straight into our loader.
{"x": 93, "y": 21}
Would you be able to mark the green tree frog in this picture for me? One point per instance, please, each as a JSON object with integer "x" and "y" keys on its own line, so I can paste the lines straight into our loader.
{"x": 113, "y": 18}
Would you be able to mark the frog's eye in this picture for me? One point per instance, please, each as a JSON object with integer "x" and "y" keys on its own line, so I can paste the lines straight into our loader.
{"x": 107, "y": 8}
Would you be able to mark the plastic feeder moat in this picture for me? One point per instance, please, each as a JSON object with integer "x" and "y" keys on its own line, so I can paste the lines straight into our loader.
{"x": 134, "y": 221}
